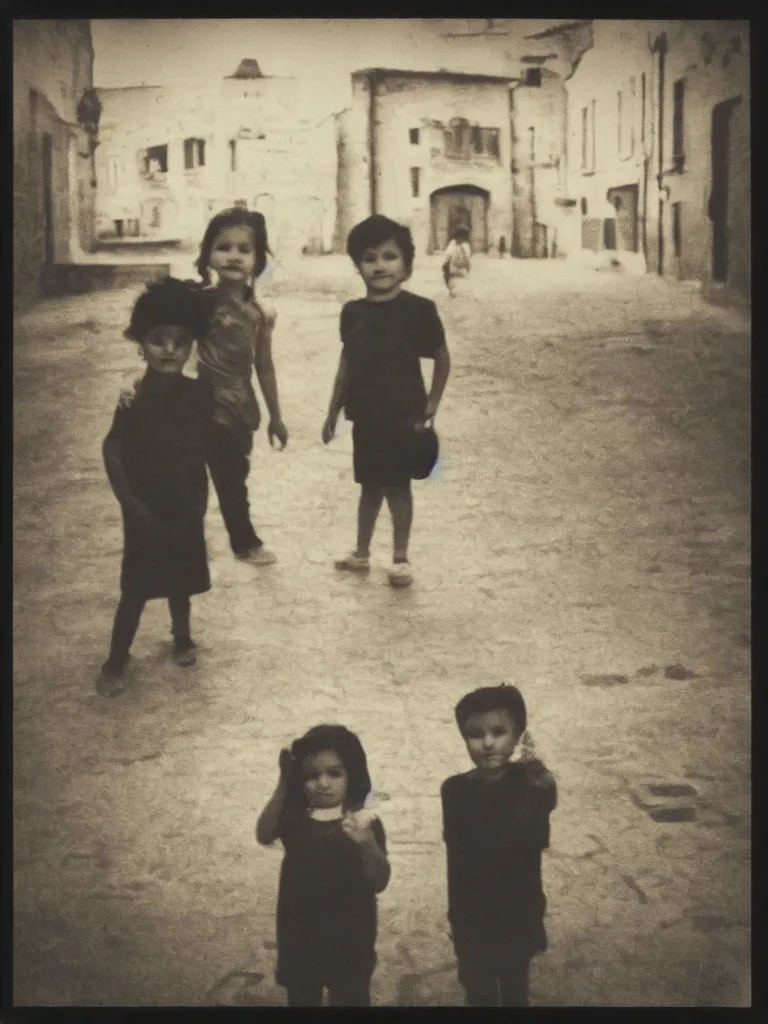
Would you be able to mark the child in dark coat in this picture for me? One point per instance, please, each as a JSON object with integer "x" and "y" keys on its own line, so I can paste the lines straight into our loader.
{"x": 495, "y": 825}
{"x": 155, "y": 460}
{"x": 335, "y": 862}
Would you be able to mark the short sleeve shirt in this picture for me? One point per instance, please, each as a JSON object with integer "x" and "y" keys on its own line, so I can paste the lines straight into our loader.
{"x": 383, "y": 342}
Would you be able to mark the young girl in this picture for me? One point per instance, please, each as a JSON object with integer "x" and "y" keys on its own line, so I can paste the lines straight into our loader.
{"x": 155, "y": 461}
{"x": 457, "y": 261}
{"x": 238, "y": 337}
{"x": 379, "y": 384}
{"x": 335, "y": 863}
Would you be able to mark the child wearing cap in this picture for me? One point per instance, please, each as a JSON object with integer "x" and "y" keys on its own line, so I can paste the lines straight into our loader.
{"x": 155, "y": 460}
{"x": 495, "y": 825}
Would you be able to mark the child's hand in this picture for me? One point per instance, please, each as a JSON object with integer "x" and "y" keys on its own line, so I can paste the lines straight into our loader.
{"x": 287, "y": 766}
{"x": 277, "y": 429}
{"x": 357, "y": 825}
{"x": 329, "y": 430}
{"x": 129, "y": 395}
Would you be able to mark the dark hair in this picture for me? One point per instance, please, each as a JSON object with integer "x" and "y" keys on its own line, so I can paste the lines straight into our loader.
{"x": 377, "y": 229}
{"x": 351, "y": 754}
{"x": 235, "y": 217}
{"x": 461, "y": 235}
{"x": 492, "y": 698}
{"x": 165, "y": 302}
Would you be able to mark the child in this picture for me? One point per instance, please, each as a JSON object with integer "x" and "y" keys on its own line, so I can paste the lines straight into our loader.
{"x": 155, "y": 461}
{"x": 495, "y": 825}
{"x": 457, "y": 261}
{"x": 380, "y": 385}
{"x": 335, "y": 863}
{"x": 239, "y": 336}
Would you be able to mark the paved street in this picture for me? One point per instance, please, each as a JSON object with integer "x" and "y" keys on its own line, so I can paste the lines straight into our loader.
{"x": 586, "y": 537}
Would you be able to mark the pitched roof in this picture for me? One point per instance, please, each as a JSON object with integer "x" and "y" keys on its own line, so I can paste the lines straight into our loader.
{"x": 441, "y": 73}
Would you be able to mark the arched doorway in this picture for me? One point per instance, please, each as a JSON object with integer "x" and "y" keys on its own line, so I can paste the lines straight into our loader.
{"x": 460, "y": 206}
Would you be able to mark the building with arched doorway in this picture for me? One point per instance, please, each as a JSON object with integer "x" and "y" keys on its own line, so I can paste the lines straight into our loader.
{"x": 430, "y": 149}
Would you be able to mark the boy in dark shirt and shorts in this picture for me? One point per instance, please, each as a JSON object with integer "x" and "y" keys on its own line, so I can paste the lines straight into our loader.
{"x": 380, "y": 385}
{"x": 495, "y": 825}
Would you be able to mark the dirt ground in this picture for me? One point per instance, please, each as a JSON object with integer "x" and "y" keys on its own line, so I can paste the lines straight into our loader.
{"x": 585, "y": 536}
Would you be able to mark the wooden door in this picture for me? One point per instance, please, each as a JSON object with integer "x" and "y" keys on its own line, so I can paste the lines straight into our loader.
{"x": 625, "y": 201}
{"x": 718, "y": 202}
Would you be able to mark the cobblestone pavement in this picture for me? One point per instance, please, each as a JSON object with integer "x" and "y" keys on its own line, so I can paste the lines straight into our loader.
{"x": 586, "y": 537}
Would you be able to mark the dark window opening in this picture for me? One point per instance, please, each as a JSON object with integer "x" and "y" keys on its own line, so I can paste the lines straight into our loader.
{"x": 584, "y": 137}
{"x": 413, "y": 135}
{"x": 463, "y": 141}
{"x": 415, "y": 181}
{"x": 194, "y": 153}
{"x": 677, "y": 229}
{"x": 583, "y": 207}
{"x": 609, "y": 233}
{"x": 477, "y": 139}
{"x": 532, "y": 77}
{"x": 678, "y": 100}
{"x": 156, "y": 159}
{"x": 233, "y": 154}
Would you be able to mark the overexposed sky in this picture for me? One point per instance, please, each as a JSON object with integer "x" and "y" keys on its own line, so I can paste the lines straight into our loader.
{"x": 322, "y": 52}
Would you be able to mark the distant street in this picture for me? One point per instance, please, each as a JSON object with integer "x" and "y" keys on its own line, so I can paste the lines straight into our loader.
{"x": 586, "y": 536}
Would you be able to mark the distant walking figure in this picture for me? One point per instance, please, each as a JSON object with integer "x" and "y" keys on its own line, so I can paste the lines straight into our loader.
{"x": 380, "y": 385}
{"x": 335, "y": 863}
{"x": 495, "y": 825}
{"x": 154, "y": 456}
{"x": 457, "y": 261}
{"x": 502, "y": 247}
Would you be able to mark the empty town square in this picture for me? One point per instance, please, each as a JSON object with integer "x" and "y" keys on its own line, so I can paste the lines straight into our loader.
{"x": 584, "y": 536}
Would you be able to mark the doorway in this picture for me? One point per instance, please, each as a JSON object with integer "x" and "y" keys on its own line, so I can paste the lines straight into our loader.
{"x": 48, "y": 238}
{"x": 460, "y": 206}
{"x": 625, "y": 201}
{"x": 718, "y": 200}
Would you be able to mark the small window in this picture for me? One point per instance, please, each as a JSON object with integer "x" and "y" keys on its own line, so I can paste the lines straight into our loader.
{"x": 415, "y": 181}
{"x": 678, "y": 126}
{"x": 156, "y": 160}
{"x": 583, "y": 207}
{"x": 233, "y": 154}
{"x": 194, "y": 153}
{"x": 677, "y": 231}
{"x": 584, "y": 137}
{"x": 532, "y": 78}
{"x": 413, "y": 135}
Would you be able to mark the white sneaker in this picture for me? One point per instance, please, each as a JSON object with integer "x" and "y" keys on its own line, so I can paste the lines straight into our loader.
{"x": 360, "y": 564}
{"x": 258, "y": 556}
{"x": 400, "y": 575}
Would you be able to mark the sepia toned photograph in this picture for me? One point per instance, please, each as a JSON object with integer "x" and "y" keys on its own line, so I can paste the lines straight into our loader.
{"x": 381, "y": 513}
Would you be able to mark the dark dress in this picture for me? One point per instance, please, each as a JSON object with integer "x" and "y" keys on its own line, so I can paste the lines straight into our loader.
{"x": 326, "y": 907}
{"x": 494, "y": 834}
{"x": 383, "y": 342}
{"x": 161, "y": 448}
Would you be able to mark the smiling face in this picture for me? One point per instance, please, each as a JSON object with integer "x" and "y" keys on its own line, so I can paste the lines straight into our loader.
{"x": 383, "y": 269}
{"x": 324, "y": 779}
{"x": 491, "y": 737}
{"x": 167, "y": 347}
{"x": 233, "y": 255}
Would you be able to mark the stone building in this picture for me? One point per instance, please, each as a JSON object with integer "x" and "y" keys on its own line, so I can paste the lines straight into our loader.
{"x": 431, "y": 149}
{"x": 700, "y": 226}
{"x": 171, "y": 157}
{"x": 54, "y": 130}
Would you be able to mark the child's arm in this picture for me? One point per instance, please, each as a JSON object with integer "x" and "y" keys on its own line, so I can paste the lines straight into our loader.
{"x": 268, "y": 825}
{"x": 118, "y": 479}
{"x": 440, "y": 376}
{"x": 265, "y": 371}
{"x": 337, "y": 399}
{"x": 374, "y": 860}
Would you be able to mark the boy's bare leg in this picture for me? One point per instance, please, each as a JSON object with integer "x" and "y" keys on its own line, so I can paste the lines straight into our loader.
{"x": 368, "y": 509}
{"x": 400, "y": 501}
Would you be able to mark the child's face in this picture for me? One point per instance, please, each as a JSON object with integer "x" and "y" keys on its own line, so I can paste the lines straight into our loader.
{"x": 383, "y": 270}
{"x": 324, "y": 779}
{"x": 491, "y": 737}
{"x": 166, "y": 347}
{"x": 233, "y": 255}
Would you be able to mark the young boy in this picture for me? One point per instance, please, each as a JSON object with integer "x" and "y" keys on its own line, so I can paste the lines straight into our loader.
{"x": 495, "y": 825}
{"x": 380, "y": 385}
{"x": 155, "y": 461}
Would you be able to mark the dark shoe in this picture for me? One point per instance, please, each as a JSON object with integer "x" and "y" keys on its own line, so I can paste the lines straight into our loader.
{"x": 185, "y": 654}
{"x": 111, "y": 682}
